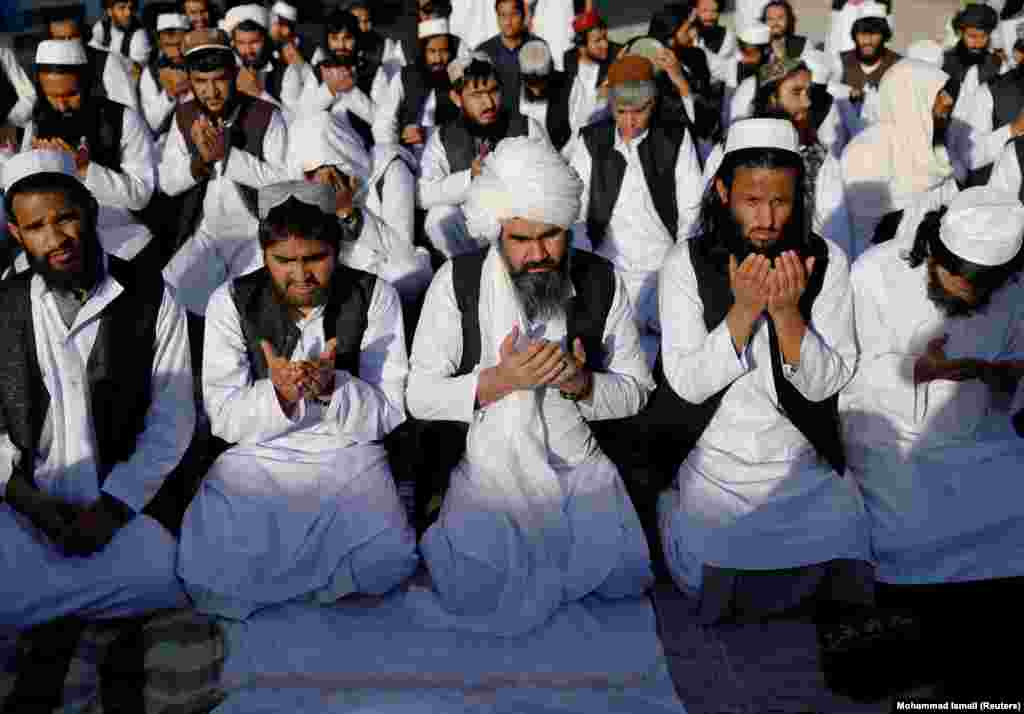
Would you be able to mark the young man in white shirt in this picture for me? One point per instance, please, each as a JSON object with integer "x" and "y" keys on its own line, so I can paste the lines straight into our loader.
{"x": 757, "y": 340}
{"x": 304, "y": 372}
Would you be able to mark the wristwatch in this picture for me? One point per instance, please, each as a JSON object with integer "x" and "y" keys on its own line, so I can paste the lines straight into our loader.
{"x": 576, "y": 397}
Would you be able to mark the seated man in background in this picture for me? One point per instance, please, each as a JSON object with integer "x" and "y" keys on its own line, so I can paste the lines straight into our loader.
{"x": 453, "y": 154}
{"x": 940, "y": 323}
{"x": 525, "y": 342}
{"x": 97, "y": 410}
{"x": 109, "y": 142}
{"x": 304, "y": 370}
{"x": 757, "y": 340}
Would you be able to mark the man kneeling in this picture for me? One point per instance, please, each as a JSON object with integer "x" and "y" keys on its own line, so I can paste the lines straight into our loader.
{"x": 96, "y": 410}
{"x": 525, "y": 342}
{"x": 304, "y": 369}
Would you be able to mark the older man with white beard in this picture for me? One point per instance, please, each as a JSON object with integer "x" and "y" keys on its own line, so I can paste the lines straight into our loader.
{"x": 940, "y": 323}
{"x": 525, "y": 342}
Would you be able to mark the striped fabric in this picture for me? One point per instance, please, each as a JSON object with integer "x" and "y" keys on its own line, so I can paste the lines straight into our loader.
{"x": 167, "y": 663}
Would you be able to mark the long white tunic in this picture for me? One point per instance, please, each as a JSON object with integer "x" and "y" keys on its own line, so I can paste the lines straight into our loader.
{"x": 938, "y": 463}
{"x": 121, "y": 192}
{"x": 224, "y": 243}
{"x": 753, "y": 493}
{"x": 472, "y": 546}
{"x": 552, "y": 22}
{"x": 473, "y": 21}
{"x": 718, "y": 62}
{"x": 385, "y": 125}
{"x": 585, "y": 105}
{"x": 1006, "y": 174}
{"x": 972, "y": 136}
{"x": 303, "y": 506}
{"x": 637, "y": 240}
{"x": 157, "y": 106}
{"x": 22, "y": 111}
{"x": 135, "y": 572}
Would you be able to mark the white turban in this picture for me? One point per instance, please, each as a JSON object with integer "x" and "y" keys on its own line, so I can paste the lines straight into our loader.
{"x": 522, "y": 178}
{"x": 320, "y": 140}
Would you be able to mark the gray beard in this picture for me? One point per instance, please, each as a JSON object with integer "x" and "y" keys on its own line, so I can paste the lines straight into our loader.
{"x": 545, "y": 295}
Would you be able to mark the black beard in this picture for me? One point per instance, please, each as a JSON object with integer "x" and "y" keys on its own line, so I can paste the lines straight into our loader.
{"x": 741, "y": 247}
{"x": 747, "y": 70}
{"x": 83, "y": 279}
{"x": 531, "y": 98}
{"x": 542, "y": 295}
{"x": 281, "y": 295}
{"x": 439, "y": 80}
{"x": 952, "y": 305}
{"x": 870, "y": 61}
{"x": 493, "y": 132}
{"x": 70, "y": 126}
{"x": 969, "y": 57}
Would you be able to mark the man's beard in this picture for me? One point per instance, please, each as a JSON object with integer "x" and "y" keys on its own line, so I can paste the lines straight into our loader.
{"x": 543, "y": 295}
{"x": 82, "y": 279}
{"x": 741, "y": 246}
{"x": 952, "y": 305}
{"x": 438, "y": 78}
{"x": 281, "y": 293}
{"x": 747, "y": 70}
{"x": 863, "y": 58}
{"x": 532, "y": 98}
{"x": 969, "y": 57}
{"x": 69, "y": 125}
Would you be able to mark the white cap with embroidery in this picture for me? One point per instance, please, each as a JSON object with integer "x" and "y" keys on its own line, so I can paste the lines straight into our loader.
{"x": 61, "y": 52}
{"x": 762, "y": 133}
{"x": 38, "y": 161}
{"x": 172, "y": 21}
{"x": 242, "y": 13}
{"x": 756, "y": 33}
{"x": 285, "y": 11}
{"x": 984, "y": 226}
{"x": 433, "y": 27}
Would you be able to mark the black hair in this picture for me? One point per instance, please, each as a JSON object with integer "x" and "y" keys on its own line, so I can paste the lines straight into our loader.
{"x": 436, "y": 8}
{"x": 301, "y": 219}
{"x": 360, "y": 4}
{"x": 766, "y": 90}
{"x": 477, "y": 71}
{"x": 790, "y": 14}
{"x": 341, "y": 20}
{"x": 248, "y": 26}
{"x": 667, "y": 21}
{"x": 871, "y": 25}
{"x": 717, "y": 224}
{"x": 520, "y": 5}
{"x": 48, "y": 182}
{"x": 928, "y": 244}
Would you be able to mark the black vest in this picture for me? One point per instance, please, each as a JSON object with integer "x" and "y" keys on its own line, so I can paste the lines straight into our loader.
{"x": 593, "y": 278}
{"x": 252, "y": 117}
{"x": 557, "y": 118}
{"x": 1018, "y": 146}
{"x": 103, "y": 128}
{"x": 1007, "y": 100}
{"x": 713, "y": 38}
{"x": 416, "y": 89}
{"x": 956, "y": 69}
{"x": 263, "y": 317}
{"x": 818, "y": 421}
{"x": 854, "y": 75}
{"x": 460, "y": 146}
{"x": 658, "y": 152}
{"x": 795, "y": 45}
{"x": 119, "y": 369}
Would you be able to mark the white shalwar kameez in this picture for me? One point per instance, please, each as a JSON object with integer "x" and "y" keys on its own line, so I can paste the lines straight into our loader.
{"x": 753, "y": 494}
{"x": 1006, "y": 173}
{"x": 473, "y": 21}
{"x": 636, "y": 240}
{"x": 718, "y": 62}
{"x": 158, "y": 106}
{"x": 121, "y": 192}
{"x": 938, "y": 463}
{"x": 479, "y": 551}
{"x": 134, "y": 573}
{"x": 972, "y": 136}
{"x": 552, "y": 22}
{"x": 442, "y": 194}
{"x": 301, "y": 507}
{"x": 21, "y": 112}
{"x": 224, "y": 244}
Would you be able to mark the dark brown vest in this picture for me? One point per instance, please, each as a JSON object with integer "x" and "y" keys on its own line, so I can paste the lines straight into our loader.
{"x": 854, "y": 75}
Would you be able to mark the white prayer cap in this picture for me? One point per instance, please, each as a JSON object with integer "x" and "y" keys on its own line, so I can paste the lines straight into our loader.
{"x": 285, "y": 11}
{"x": 872, "y": 9}
{"x": 756, "y": 33}
{"x": 522, "y": 178}
{"x": 61, "y": 52}
{"x": 139, "y": 48}
{"x": 172, "y": 21}
{"x": 928, "y": 51}
{"x": 535, "y": 58}
{"x": 433, "y": 27}
{"x": 984, "y": 226}
{"x": 313, "y": 194}
{"x": 457, "y": 67}
{"x": 817, "y": 62}
{"x": 761, "y": 133}
{"x": 243, "y": 13}
{"x": 38, "y": 161}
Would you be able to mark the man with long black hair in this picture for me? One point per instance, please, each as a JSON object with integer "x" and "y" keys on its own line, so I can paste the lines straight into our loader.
{"x": 930, "y": 440}
{"x": 974, "y": 26}
{"x": 757, "y": 340}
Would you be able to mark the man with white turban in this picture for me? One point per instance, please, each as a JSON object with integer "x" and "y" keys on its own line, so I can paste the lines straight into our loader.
{"x": 940, "y": 323}
{"x": 454, "y": 152}
{"x": 375, "y": 201}
{"x": 304, "y": 371}
{"x": 899, "y": 164}
{"x": 757, "y": 340}
{"x": 523, "y": 343}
